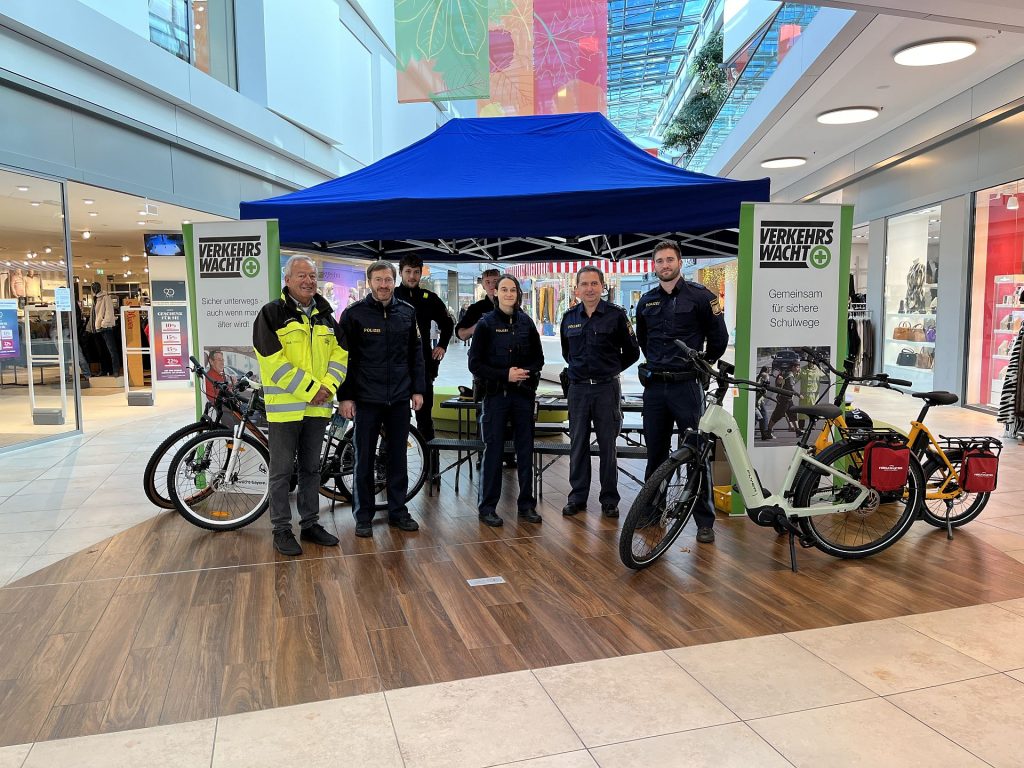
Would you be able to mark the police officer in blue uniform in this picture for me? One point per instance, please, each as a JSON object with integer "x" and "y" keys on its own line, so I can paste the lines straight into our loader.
{"x": 597, "y": 344}
{"x": 673, "y": 392}
{"x": 385, "y": 377}
{"x": 506, "y": 359}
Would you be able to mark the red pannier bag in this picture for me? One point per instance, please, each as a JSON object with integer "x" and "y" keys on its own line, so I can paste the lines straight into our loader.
{"x": 886, "y": 465}
{"x": 979, "y": 471}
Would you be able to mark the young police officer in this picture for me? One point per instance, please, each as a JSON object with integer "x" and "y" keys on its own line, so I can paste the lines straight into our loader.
{"x": 467, "y": 323}
{"x": 429, "y": 308}
{"x": 673, "y": 393}
{"x": 385, "y": 372}
{"x": 505, "y": 360}
{"x": 597, "y": 344}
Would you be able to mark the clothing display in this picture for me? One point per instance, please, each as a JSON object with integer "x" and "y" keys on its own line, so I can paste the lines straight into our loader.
{"x": 1011, "y": 401}
{"x": 861, "y": 341}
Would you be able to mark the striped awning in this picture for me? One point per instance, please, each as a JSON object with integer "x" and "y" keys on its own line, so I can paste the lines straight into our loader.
{"x": 626, "y": 267}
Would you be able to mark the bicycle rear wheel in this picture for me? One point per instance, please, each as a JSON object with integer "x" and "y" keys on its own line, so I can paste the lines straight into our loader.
{"x": 154, "y": 478}
{"x": 337, "y": 471}
{"x": 206, "y": 495}
{"x": 959, "y": 510}
{"x": 877, "y": 524}
{"x": 660, "y": 511}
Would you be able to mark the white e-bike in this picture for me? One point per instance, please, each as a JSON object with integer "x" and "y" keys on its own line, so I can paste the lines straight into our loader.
{"x": 823, "y": 503}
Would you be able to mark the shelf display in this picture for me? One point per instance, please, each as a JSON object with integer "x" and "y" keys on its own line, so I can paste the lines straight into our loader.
{"x": 1007, "y": 316}
{"x": 910, "y": 327}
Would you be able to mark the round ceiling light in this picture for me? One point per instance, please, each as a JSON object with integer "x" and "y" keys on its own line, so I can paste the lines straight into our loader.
{"x": 934, "y": 52}
{"x": 848, "y": 115}
{"x": 783, "y": 162}
{"x": 86, "y": 234}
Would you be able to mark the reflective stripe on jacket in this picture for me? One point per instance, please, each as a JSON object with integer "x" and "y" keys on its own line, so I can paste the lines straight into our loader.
{"x": 297, "y": 355}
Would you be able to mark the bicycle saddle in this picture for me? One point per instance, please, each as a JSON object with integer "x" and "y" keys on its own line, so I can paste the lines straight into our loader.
{"x": 937, "y": 398}
{"x": 823, "y": 411}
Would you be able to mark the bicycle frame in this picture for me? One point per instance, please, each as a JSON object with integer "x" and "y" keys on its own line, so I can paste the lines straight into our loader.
{"x": 717, "y": 421}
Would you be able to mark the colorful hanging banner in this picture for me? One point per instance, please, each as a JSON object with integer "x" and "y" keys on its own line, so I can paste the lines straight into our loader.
{"x": 441, "y": 47}
{"x": 511, "y": 59}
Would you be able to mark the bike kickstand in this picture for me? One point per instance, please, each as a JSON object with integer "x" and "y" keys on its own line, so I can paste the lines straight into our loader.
{"x": 949, "y": 528}
{"x": 792, "y": 552}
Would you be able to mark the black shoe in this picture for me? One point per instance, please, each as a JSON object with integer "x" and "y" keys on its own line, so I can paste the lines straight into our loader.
{"x": 705, "y": 535}
{"x": 610, "y": 510}
{"x": 405, "y": 524}
{"x": 511, "y": 463}
{"x": 530, "y": 516}
{"x": 364, "y": 530}
{"x": 285, "y": 543}
{"x": 571, "y": 509}
{"x": 492, "y": 520}
{"x": 318, "y": 535}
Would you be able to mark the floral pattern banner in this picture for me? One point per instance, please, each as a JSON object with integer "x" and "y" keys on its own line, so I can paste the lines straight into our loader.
{"x": 441, "y": 48}
{"x": 547, "y": 57}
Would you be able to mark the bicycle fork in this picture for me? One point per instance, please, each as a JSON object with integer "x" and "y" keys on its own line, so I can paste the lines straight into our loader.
{"x": 236, "y": 449}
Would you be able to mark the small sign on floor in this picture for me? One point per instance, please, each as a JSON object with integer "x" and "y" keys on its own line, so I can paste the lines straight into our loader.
{"x": 485, "y": 581}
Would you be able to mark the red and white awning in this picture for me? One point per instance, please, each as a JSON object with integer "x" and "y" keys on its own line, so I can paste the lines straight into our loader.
{"x": 626, "y": 267}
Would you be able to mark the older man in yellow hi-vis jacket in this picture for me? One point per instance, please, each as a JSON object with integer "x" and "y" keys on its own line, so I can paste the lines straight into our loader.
{"x": 301, "y": 367}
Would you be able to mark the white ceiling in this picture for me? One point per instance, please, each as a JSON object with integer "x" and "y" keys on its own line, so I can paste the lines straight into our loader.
{"x": 114, "y": 229}
{"x": 993, "y": 14}
{"x": 864, "y": 74}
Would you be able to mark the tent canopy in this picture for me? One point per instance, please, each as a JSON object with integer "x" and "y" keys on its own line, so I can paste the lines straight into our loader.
{"x": 538, "y": 188}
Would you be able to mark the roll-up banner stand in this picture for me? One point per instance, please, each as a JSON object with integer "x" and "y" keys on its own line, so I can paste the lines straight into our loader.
{"x": 793, "y": 287}
{"x": 234, "y": 268}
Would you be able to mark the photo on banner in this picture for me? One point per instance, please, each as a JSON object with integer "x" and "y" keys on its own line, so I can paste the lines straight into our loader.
{"x": 793, "y": 289}
{"x": 234, "y": 268}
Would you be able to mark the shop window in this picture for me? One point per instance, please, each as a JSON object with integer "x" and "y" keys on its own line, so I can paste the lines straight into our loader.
{"x": 997, "y": 290}
{"x": 911, "y": 296}
{"x": 201, "y": 32}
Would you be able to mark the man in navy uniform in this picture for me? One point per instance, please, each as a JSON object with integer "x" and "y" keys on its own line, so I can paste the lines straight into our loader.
{"x": 597, "y": 344}
{"x": 673, "y": 392}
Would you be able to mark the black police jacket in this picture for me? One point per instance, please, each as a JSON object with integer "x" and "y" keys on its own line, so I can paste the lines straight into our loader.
{"x": 429, "y": 308}
{"x": 691, "y": 313}
{"x": 599, "y": 346}
{"x": 475, "y": 311}
{"x": 501, "y": 342}
{"x": 385, "y": 357}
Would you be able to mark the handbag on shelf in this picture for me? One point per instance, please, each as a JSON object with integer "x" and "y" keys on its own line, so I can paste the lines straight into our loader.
{"x": 1006, "y": 322}
{"x": 907, "y": 357}
{"x": 1003, "y": 348}
{"x": 926, "y": 358}
{"x": 917, "y": 333}
{"x": 902, "y": 331}
{"x": 929, "y": 331}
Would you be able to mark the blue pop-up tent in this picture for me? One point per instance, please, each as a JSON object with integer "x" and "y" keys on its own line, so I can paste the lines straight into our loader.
{"x": 537, "y": 188}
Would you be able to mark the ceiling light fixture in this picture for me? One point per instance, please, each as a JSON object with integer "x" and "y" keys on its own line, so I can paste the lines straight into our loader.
{"x": 146, "y": 270}
{"x": 186, "y": 221}
{"x": 1012, "y": 204}
{"x": 47, "y": 249}
{"x": 783, "y": 162}
{"x": 126, "y": 257}
{"x": 141, "y": 223}
{"x": 35, "y": 203}
{"x": 88, "y": 200}
{"x": 934, "y": 52}
{"x": 86, "y": 234}
{"x": 847, "y": 115}
{"x": 22, "y": 188}
{"x": 94, "y": 213}
{"x": 87, "y": 266}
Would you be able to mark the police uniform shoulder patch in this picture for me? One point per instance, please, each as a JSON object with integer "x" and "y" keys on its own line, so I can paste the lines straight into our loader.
{"x": 716, "y": 306}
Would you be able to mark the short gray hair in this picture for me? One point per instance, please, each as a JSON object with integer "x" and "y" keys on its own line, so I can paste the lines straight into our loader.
{"x": 379, "y": 266}
{"x": 295, "y": 258}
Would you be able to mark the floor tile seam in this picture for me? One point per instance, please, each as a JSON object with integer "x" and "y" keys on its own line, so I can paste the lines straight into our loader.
{"x": 213, "y": 743}
{"x": 950, "y": 682}
{"x": 565, "y": 718}
{"x": 942, "y": 642}
{"x": 940, "y": 733}
{"x": 387, "y": 706}
{"x": 542, "y": 757}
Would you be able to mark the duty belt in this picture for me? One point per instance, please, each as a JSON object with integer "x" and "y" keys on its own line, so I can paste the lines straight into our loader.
{"x": 672, "y": 375}
{"x": 594, "y": 381}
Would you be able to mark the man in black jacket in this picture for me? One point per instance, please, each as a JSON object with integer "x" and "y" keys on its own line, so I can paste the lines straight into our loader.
{"x": 429, "y": 309}
{"x": 467, "y": 323}
{"x": 385, "y": 372}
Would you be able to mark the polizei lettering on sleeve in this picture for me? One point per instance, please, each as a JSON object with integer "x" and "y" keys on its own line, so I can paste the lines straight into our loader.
{"x": 223, "y": 256}
{"x": 796, "y": 244}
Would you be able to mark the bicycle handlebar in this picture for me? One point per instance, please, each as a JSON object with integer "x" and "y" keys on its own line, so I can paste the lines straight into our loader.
{"x": 881, "y": 379}
{"x": 723, "y": 376}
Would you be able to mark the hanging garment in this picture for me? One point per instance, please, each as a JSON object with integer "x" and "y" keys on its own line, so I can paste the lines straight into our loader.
{"x": 1009, "y": 407}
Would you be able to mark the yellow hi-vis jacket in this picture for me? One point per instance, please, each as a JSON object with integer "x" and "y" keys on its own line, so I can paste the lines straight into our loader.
{"x": 297, "y": 355}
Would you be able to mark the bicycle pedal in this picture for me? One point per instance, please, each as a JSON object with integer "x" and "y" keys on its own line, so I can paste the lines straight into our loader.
{"x": 806, "y": 542}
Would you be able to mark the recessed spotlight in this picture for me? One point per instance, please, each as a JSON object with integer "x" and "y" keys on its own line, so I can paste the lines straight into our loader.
{"x": 146, "y": 270}
{"x": 62, "y": 262}
{"x": 934, "y": 52}
{"x": 126, "y": 257}
{"x": 186, "y": 221}
{"x": 35, "y": 203}
{"x": 47, "y": 249}
{"x": 783, "y": 162}
{"x": 141, "y": 223}
{"x": 199, "y": 26}
{"x": 94, "y": 213}
{"x": 126, "y": 274}
{"x": 86, "y": 234}
{"x": 1012, "y": 204}
{"x": 22, "y": 188}
{"x": 848, "y": 115}
{"x": 88, "y": 200}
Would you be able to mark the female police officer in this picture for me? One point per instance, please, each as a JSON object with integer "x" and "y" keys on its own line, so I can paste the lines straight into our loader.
{"x": 505, "y": 359}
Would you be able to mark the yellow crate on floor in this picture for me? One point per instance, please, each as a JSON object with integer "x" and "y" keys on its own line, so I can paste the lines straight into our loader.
{"x": 723, "y": 498}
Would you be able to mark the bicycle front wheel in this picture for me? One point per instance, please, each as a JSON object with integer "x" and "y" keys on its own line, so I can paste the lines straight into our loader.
{"x": 880, "y": 521}
{"x": 958, "y": 510}
{"x": 154, "y": 478}
{"x": 660, "y": 510}
{"x": 338, "y": 467}
{"x": 211, "y": 491}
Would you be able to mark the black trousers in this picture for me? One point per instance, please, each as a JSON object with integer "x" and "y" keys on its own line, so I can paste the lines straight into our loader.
{"x": 287, "y": 439}
{"x": 680, "y": 404}
{"x": 424, "y": 417}
{"x": 394, "y": 418}
{"x": 600, "y": 406}
{"x": 496, "y": 411}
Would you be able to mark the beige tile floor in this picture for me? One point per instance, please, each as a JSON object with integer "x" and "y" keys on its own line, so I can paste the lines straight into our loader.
{"x": 782, "y": 700}
{"x": 947, "y": 685}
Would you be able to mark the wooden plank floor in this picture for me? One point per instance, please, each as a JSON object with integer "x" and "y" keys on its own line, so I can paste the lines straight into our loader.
{"x": 166, "y": 623}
